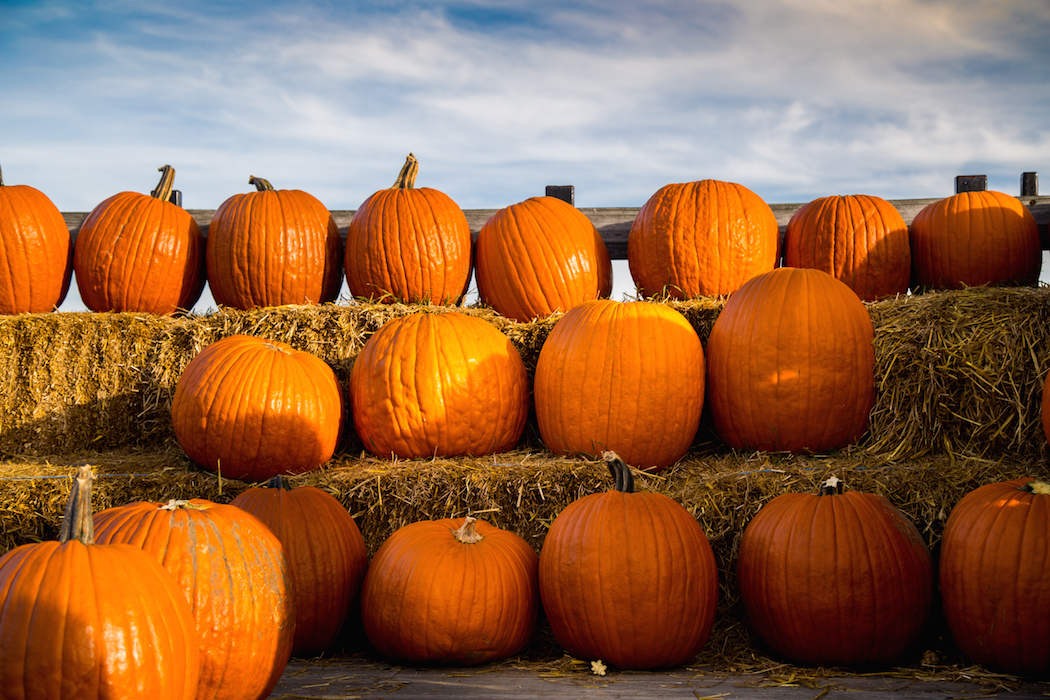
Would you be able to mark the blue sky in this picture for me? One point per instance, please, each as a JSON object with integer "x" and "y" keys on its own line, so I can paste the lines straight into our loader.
{"x": 794, "y": 99}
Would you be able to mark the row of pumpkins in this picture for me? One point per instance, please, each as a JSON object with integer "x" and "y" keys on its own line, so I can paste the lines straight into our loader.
{"x": 272, "y": 247}
{"x": 194, "y": 599}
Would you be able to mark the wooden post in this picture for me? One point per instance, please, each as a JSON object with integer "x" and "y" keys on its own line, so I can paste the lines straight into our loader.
{"x": 566, "y": 193}
{"x": 1029, "y": 184}
{"x": 971, "y": 183}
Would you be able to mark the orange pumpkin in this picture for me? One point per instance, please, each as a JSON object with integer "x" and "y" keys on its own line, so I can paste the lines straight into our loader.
{"x": 540, "y": 256}
{"x": 791, "y": 365}
{"x": 36, "y": 252}
{"x": 325, "y": 551}
{"x": 140, "y": 253}
{"x": 233, "y": 572}
{"x": 702, "y": 238}
{"x": 622, "y": 376}
{"x": 251, "y": 408}
{"x": 453, "y": 591}
{"x": 972, "y": 239}
{"x": 443, "y": 384}
{"x": 859, "y": 239}
{"x": 273, "y": 247}
{"x": 408, "y": 244}
{"x": 81, "y": 620}
{"x": 628, "y": 578}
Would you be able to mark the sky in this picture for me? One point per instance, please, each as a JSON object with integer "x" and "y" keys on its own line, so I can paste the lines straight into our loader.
{"x": 794, "y": 99}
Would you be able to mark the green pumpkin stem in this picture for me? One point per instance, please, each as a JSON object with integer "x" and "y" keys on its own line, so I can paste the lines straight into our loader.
{"x": 1040, "y": 487}
{"x": 166, "y": 184}
{"x": 468, "y": 532}
{"x": 260, "y": 184}
{"x": 278, "y": 482}
{"x": 831, "y": 487}
{"x": 406, "y": 179}
{"x": 623, "y": 479}
{"x": 78, "y": 523}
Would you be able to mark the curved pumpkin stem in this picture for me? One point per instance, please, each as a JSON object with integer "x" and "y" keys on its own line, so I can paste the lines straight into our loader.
{"x": 166, "y": 184}
{"x": 260, "y": 184}
{"x": 623, "y": 479}
{"x": 1039, "y": 487}
{"x": 468, "y": 532}
{"x": 406, "y": 179}
{"x": 831, "y": 487}
{"x": 78, "y": 523}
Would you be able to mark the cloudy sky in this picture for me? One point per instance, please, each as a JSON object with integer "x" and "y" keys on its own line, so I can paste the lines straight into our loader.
{"x": 794, "y": 99}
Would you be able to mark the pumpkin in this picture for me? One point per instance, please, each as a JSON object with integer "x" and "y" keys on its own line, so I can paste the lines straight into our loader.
{"x": 81, "y": 620}
{"x": 140, "y": 253}
{"x": 702, "y": 238}
{"x": 835, "y": 578}
{"x": 628, "y": 578}
{"x": 36, "y": 252}
{"x": 540, "y": 256}
{"x": 272, "y": 247}
{"x": 451, "y": 591}
{"x": 995, "y": 575}
{"x": 621, "y": 376}
{"x": 859, "y": 239}
{"x": 325, "y": 551}
{"x": 439, "y": 384}
{"x": 233, "y": 572}
{"x": 251, "y": 408}
{"x": 972, "y": 239}
{"x": 408, "y": 244}
{"x": 791, "y": 365}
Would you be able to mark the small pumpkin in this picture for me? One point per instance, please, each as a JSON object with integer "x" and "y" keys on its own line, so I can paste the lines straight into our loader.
{"x": 835, "y": 578}
{"x": 409, "y": 244}
{"x": 995, "y": 575}
{"x": 272, "y": 247}
{"x": 628, "y": 577}
{"x": 36, "y": 251}
{"x": 703, "y": 238}
{"x": 325, "y": 551}
{"x": 85, "y": 620}
{"x": 451, "y": 591}
{"x": 251, "y": 408}
{"x": 540, "y": 256}
{"x": 439, "y": 384}
{"x": 140, "y": 253}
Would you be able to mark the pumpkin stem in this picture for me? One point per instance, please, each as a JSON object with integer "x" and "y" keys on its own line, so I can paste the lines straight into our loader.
{"x": 1039, "y": 487}
{"x": 468, "y": 532}
{"x": 406, "y": 179}
{"x": 1, "y": 178}
{"x": 260, "y": 184}
{"x": 175, "y": 504}
{"x": 167, "y": 182}
{"x": 78, "y": 523}
{"x": 623, "y": 479}
{"x": 831, "y": 487}
{"x": 278, "y": 482}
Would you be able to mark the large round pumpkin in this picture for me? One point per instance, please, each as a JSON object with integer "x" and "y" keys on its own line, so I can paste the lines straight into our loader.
{"x": 251, "y": 408}
{"x": 540, "y": 256}
{"x": 272, "y": 247}
{"x": 408, "y": 244}
{"x": 622, "y": 376}
{"x": 859, "y": 239}
{"x": 702, "y": 238}
{"x": 972, "y": 239}
{"x": 36, "y": 252}
{"x": 995, "y": 575}
{"x": 140, "y": 253}
{"x": 791, "y": 365}
{"x": 325, "y": 551}
{"x": 81, "y": 620}
{"x": 233, "y": 572}
{"x": 835, "y": 578}
{"x": 439, "y": 384}
{"x": 452, "y": 591}
{"x": 628, "y": 578}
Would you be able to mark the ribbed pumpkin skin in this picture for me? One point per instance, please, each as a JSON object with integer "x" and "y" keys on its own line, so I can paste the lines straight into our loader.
{"x": 428, "y": 597}
{"x": 629, "y": 578}
{"x": 540, "y": 256}
{"x": 325, "y": 551}
{"x": 839, "y": 579}
{"x": 859, "y": 239}
{"x": 36, "y": 252}
{"x": 972, "y": 239}
{"x": 791, "y": 365}
{"x": 995, "y": 576}
{"x": 621, "y": 376}
{"x": 252, "y": 408}
{"x": 137, "y": 253}
{"x": 702, "y": 238}
{"x": 443, "y": 384}
{"x": 273, "y": 247}
{"x": 234, "y": 574}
